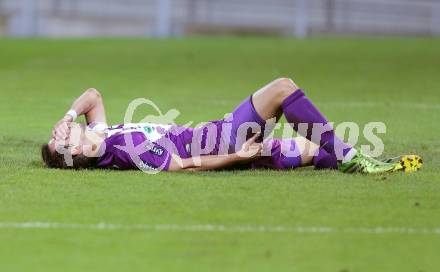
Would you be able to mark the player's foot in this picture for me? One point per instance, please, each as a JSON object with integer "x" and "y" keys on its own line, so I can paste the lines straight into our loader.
{"x": 406, "y": 163}
{"x": 362, "y": 163}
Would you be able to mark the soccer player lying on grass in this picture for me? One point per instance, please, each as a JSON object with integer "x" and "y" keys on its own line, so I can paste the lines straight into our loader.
{"x": 238, "y": 141}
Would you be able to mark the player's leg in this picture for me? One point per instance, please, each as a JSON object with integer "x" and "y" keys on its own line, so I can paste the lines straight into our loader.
{"x": 294, "y": 153}
{"x": 267, "y": 101}
{"x": 305, "y": 117}
{"x": 283, "y": 95}
{"x": 270, "y": 102}
{"x": 313, "y": 154}
{"x": 258, "y": 109}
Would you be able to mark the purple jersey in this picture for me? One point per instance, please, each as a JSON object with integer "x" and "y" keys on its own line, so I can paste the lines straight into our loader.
{"x": 146, "y": 146}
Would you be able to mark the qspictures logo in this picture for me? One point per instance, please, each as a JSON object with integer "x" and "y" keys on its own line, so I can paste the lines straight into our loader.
{"x": 229, "y": 139}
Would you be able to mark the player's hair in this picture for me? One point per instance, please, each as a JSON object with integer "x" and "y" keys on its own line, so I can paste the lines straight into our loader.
{"x": 56, "y": 160}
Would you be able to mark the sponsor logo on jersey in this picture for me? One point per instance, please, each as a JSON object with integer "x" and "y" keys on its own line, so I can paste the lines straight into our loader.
{"x": 156, "y": 150}
{"x": 148, "y": 129}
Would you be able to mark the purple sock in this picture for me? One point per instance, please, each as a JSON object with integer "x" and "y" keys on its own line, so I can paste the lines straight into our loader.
{"x": 298, "y": 110}
{"x": 324, "y": 160}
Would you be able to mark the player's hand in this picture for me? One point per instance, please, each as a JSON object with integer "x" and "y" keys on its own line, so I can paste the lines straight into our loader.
{"x": 61, "y": 130}
{"x": 250, "y": 149}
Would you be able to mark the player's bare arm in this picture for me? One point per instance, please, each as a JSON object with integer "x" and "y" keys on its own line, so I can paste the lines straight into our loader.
{"x": 89, "y": 104}
{"x": 251, "y": 150}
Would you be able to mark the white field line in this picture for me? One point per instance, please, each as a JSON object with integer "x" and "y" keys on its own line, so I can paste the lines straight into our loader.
{"x": 218, "y": 228}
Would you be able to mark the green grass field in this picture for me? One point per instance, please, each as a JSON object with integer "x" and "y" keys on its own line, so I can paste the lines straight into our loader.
{"x": 314, "y": 220}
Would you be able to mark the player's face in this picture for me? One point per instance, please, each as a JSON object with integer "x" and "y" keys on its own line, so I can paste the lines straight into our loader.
{"x": 75, "y": 139}
{"x": 72, "y": 144}
{"x": 79, "y": 141}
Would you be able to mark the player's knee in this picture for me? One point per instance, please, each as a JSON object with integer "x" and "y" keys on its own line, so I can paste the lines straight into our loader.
{"x": 284, "y": 87}
{"x": 94, "y": 92}
{"x": 285, "y": 83}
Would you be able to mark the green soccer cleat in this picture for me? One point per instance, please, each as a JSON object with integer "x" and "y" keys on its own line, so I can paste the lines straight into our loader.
{"x": 364, "y": 164}
{"x": 406, "y": 163}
